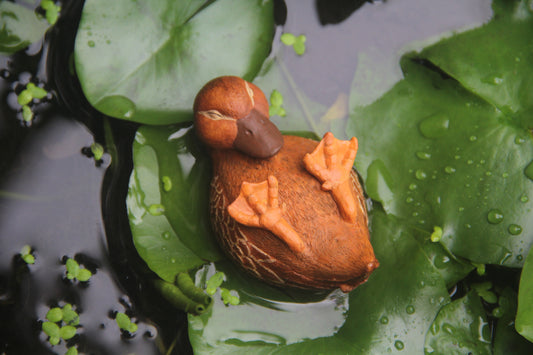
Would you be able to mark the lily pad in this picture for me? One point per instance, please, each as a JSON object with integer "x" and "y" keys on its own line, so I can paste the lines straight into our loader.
{"x": 436, "y": 154}
{"x": 391, "y": 312}
{"x": 152, "y": 77}
{"x": 167, "y": 201}
{"x": 461, "y": 327}
{"x": 19, "y": 27}
{"x": 506, "y": 339}
{"x": 524, "y": 317}
{"x": 494, "y": 61}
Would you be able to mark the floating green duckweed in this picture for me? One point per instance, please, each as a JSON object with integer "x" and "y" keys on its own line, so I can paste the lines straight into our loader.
{"x": 124, "y": 322}
{"x": 297, "y": 42}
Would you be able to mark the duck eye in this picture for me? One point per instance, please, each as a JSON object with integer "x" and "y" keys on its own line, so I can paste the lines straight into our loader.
{"x": 248, "y": 132}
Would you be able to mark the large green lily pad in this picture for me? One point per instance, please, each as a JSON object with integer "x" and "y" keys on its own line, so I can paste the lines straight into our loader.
{"x": 391, "y": 312}
{"x": 145, "y": 60}
{"x": 448, "y": 158}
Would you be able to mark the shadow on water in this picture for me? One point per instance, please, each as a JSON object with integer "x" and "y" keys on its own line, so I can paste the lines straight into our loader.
{"x": 55, "y": 198}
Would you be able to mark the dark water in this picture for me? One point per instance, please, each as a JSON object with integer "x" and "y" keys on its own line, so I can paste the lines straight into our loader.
{"x": 55, "y": 198}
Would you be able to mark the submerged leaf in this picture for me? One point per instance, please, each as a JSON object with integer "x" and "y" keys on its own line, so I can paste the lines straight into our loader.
{"x": 155, "y": 77}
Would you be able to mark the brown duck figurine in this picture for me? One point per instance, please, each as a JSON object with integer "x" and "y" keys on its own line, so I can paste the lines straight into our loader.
{"x": 287, "y": 209}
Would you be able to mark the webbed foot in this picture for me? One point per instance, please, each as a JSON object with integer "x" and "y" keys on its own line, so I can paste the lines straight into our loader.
{"x": 257, "y": 206}
{"x": 331, "y": 163}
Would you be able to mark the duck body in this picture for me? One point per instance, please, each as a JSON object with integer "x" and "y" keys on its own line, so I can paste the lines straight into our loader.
{"x": 273, "y": 214}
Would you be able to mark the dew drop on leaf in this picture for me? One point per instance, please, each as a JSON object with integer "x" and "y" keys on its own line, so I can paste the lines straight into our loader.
{"x": 495, "y": 216}
{"x": 398, "y": 344}
{"x": 529, "y": 171}
{"x": 515, "y": 229}
{"x": 434, "y": 126}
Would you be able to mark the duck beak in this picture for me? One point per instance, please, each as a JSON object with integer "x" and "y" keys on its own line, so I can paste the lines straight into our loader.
{"x": 257, "y": 136}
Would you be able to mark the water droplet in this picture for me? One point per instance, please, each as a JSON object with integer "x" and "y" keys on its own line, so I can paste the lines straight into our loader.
{"x": 524, "y": 198}
{"x": 470, "y": 162}
{"x": 166, "y": 235}
{"x": 519, "y": 257}
{"x": 172, "y": 260}
{"x": 495, "y": 216}
{"x": 482, "y": 161}
{"x": 461, "y": 209}
{"x": 449, "y": 170}
{"x": 434, "y": 126}
{"x": 505, "y": 175}
{"x": 506, "y": 257}
{"x": 384, "y": 320}
{"x": 492, "y": 80}
{"x": 398, "y": 344}
{"x": 410, "y": 309}
{"x": 468, "y": 226}
{"x": 420, "y": 174}
{"x": 415, "y": 214}
{"x": 448, "y": 328}
{"x": 515, "y": 229}
{"x": 434, "y": 329}
{"x": 413, "y": 186}
{"x": 139, "y": 138}
{"x": 156, "y": 209}
{"x": 519, "y": 140}
{"x": 488, "y": 173}
{"x": 423, "y": 155}
{"x": 457, "y": 157}
{"x": 472, "y": 138}
{"x": 91, "y": 44}
{"x": 409, "y": 199}
{"x": 117, "y": 106}
{"x": 529, "y": 171}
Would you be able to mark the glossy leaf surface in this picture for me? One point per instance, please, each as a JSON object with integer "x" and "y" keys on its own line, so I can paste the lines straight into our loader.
{"x": 145, "y": 61}
{"x": 461, "y": 327}
{"x": 19, "y": 27}
{"x": 524, "y": 317}
{"x": 391, "y": 312}
{"x": 442, "y": 162}
{"x": 167, "y": 201}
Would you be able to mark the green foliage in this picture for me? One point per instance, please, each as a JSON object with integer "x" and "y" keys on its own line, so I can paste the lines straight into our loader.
{"x": 98, "y": 151}
{"x": 214, "y": 283}
{"x": 61, "y": 324}
{"x": 434, "y": 152}
{"x": 19, "y": 27}
{"x": 176, "y": 238}
{"x": 461, "y": 327}
{"x": 276, "y": 102}
{"x": 51, "y": 11}
{"x": 124, "y": 322}
{"x": 184, "y": 45}
{"x": 74, "y": 271}
{"x": 297, "y": 42}
{"x": 524, "y": 317}
{"x": 26, "y": 254}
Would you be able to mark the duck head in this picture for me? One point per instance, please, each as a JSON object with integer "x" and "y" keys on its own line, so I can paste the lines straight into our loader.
{"x": 231, "y": 113}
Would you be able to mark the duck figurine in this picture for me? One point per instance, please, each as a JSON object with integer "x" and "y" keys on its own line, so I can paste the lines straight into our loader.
{"x": 287, "y": 209}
